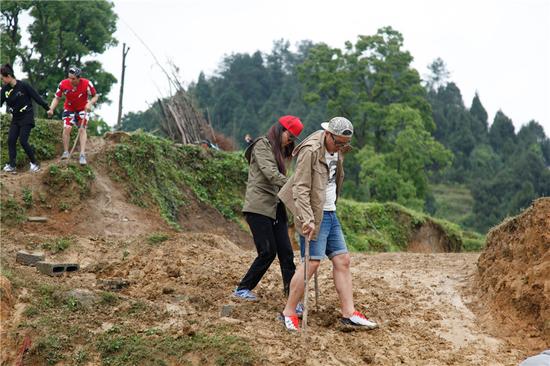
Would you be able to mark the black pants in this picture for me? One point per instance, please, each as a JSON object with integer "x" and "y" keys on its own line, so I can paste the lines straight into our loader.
{"x": 271, "y": 240}
{"x": 21, "y": 131}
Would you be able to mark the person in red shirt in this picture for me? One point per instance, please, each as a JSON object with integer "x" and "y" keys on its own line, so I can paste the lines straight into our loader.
{"x": 76, "y": 91}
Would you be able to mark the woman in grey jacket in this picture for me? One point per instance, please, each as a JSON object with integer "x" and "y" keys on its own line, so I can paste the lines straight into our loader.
{"x": 265, "y": 214}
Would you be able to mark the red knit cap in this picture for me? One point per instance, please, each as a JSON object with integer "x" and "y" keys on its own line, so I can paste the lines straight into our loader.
{"x": 292, "y": 124}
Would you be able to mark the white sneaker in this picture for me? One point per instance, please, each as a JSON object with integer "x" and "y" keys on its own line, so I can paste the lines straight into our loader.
{"x": 8, "y": 168}
{"x": 34, "y": 168}
{"x": 65, "y": 155}
{"x": 358, "y": 320}
{"x": 82, "y": 159}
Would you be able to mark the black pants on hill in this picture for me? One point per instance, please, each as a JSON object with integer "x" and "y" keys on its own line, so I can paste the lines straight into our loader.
{"x": 271, "y": 240}
{"x": 20, "y": 130}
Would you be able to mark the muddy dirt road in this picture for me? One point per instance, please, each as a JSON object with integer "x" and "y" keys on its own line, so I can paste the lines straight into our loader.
{"x": 419, "y": 301}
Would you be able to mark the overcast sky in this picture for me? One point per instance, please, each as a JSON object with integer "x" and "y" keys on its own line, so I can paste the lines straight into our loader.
{"x": 501, "y": 49}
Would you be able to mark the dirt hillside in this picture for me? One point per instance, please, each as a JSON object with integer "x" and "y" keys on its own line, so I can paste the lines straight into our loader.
{"x": 513, "y": 278}
{"x": 146, "y": 294}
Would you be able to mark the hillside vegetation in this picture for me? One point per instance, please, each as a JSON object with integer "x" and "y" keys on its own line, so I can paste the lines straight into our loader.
{"x": 168, "y": 177}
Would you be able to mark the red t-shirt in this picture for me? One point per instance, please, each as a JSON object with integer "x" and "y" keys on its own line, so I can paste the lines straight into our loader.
{"x": 76, "y": 97}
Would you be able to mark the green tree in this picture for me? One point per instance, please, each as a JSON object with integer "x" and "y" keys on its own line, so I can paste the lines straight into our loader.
{"x": 438, "y": 75}
{"x": 10, "y": 32}
{"x": 484, "y": 162}
{"x": 521, "y": 179}
{"x": 479, "y": 125}
{"x": 97, "y": 127}
{"x": 409, "y": 155}
{"x": 250, "y": 91}
{"x": 372, "y": 83}
{"x": 502, "y": 136}
{"x": 361, "y": 80}
{"x": 62, "y": 34}
{"x": 148, "y": 120}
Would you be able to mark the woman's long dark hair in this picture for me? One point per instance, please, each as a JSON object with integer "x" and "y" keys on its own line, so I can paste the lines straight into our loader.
{"x": 275, "y": 137}
{"x": 7, "y": 70}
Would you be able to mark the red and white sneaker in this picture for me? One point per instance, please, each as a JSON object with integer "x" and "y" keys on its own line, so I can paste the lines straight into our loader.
{"x": 292, "y": 324}
{"x": 358, "y": 320}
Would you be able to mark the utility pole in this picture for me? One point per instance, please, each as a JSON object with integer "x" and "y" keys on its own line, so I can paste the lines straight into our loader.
{"x": 124, "y": 53}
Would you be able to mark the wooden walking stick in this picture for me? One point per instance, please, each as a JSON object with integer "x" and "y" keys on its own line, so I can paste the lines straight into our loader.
{"x": 316, "y": 282}
{"x": 77, "y": 138}
{"x": 306, "y": 286}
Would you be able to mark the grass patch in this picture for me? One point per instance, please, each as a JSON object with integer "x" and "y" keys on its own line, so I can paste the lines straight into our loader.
{"x": 73, "y": 304}
{"x": 137, "y": 308}
{"x": 59, "y": 244}
{"x": 388, "y": 227}
{"x": 69, "y": 184}
{"x": 109, "y": 298}
{"x": 120, "y": 346}
{"x": 11, "y": 212}
{"x": 27, "y": 197}
{"x": 70, "y": 176}
{"x": 47, "y": 297}
{"x": 6, "y": 272}
{"x": 157, "y": 238}
{"x": 50, "y": 349}
{"x": 81, "y": 357}
{"x": 473, "y": 242}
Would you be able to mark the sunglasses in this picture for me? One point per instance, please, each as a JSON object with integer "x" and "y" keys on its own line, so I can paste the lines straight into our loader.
{"x": 340, "y": 143}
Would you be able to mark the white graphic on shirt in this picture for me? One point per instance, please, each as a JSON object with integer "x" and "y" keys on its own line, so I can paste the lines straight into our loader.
{"x": 330, "y": 198}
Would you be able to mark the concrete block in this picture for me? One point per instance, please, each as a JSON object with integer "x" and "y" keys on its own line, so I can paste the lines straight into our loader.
{"x": 72, "y": 267}
{"x": 29, "y": 259}
{"x": 56, "y": 269}
{"x": 50, "y": 269}
{"x": 227, "y": 310}
{"x": 37, "y": 219}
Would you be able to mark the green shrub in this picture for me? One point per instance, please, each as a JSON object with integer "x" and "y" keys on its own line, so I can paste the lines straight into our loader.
{"x": 59, "y": 244}
{"x": 27, "y": 197}
{"x": 11, "y": 212}
{"x": 67, "y": 178}
{"x": 157, "y": 238}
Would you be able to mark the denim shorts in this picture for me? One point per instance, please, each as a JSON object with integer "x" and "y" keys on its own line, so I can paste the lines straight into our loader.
{"x": 330, "y": 241}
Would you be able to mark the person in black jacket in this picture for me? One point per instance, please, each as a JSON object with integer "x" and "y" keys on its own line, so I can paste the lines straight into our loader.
{"x": 18, "y": 96}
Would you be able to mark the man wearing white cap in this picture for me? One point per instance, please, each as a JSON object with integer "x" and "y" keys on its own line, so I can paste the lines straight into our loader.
{"x": 311, "y": 194}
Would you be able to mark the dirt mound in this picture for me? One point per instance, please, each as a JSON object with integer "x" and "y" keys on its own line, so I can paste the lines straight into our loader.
{"x": 105, "y": 209}
{"x": 97, "y": 208}
{"x": 513, "y": 279}
{"x": 430, "y": 238}
{"x": 189, "y": 263}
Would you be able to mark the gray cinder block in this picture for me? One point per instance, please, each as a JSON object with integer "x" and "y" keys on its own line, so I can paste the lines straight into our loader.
{"x": 56, "y": 269}
{"x": 50, "y": 269}
{"x": 29, "y": 259}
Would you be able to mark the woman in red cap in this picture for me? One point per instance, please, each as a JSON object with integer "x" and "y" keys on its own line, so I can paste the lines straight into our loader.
{"x": 265, "y": 214}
